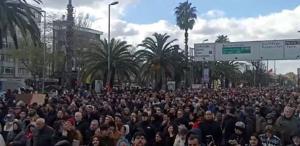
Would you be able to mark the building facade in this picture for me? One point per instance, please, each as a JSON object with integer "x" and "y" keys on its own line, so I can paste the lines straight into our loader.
{"x": 68, "y": 38}
{"x": 12, "y": 71}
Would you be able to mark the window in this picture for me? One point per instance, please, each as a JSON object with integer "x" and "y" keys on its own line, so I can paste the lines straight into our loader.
{"x": 22, "y": 71}
{"x": 1, "y": 69}
{"x": 9, "y": 70}
{"x": 1, "y": 57}
{"x": 6, "y": 58}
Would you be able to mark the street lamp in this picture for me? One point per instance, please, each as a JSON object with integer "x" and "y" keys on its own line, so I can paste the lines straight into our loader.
{"x": 204, "y": 40}
{"x": 44, "y": 50}
{"x": 109, "y": 48}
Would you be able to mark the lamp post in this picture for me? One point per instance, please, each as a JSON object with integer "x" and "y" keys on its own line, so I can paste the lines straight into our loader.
{"x": 44, "y": 50}
{"x": 109, "y": 48}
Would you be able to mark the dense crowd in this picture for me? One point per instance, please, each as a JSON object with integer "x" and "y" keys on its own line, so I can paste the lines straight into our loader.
{"x": 224, "y": 117}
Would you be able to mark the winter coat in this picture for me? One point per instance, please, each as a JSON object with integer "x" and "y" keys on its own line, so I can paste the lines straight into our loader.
{"x": 43, "y": 137}
{"x": 82, "y": 126}
{"x": 211, "y": 128}
{"x": 20, "y": 139}
{"x": 286, "y": 127}
{"x": 169, "y": 141}
{"x": 273, "y": 141}
{"x": 228, "y": 126}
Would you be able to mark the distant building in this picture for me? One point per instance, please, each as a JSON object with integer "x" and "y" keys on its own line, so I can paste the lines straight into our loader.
{"x": 83, "y": 37}
{"x": 11, "y": 69}
{"x": 67, "y": 38}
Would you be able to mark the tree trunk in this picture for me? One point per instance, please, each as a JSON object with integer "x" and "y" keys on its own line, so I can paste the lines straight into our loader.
{"x": 105, "y": 78}
{"x": 112, "y": 77}
{"x": 186, "y": 35}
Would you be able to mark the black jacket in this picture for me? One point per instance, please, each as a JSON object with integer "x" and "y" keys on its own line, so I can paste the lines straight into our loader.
{"x": 43, "y": 137}
{"x": 211, "y": 128}
{"x": 82, "y": 126}
{"x": 228, "y": 126}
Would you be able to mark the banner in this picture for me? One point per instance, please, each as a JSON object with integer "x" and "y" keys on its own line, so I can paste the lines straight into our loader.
{"x": 205, "y": 75}
{"x": 31, "y": 98}
{"x": 171, "y": 85}
{"x": 98, "y": 86}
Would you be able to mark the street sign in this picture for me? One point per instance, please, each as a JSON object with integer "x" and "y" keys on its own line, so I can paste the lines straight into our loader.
{"x": 236, "y": 50}
{"x": 248, "y": 50}
{"x": 204, "y": 51}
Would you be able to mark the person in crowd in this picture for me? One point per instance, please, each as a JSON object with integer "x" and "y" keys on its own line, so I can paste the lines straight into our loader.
{"x": 8, "y": 126}
{"x": 105, "y": 139}
{"x": 194, "y": 141}
{"x": 153, "y": 112}
{"x": 181, "y": 136}
{"x": 133, "y": 122}
{"x": 228, "y": 124}
{"x": 97, "y": 132}
{"x": 69, "y": 132}
{"x": 260, "y": 121}
{"x": 89, "y": 133}
{"x": 255, "y": 141}
{"x": 193, "y": 138}
{"x": 29, "y": 134}
{"x": 239, "y": 136}
{"x": 181, "y": 119}
{"x": 24, "y": 138}
{"x": 268, "y": 138}
{"x": 159, "y": 139}
{"x": 42, "y": 135}
{"x": 211, "y": 128}
{"x": 170, "y": 135}
{"x": 80, "y": 123}
{"x": 287, "y": 124}
{"x": 139, "y": 139}
{"x": 198, "y": 120}
{"x": 270, "y": 119}
{"x": 95, "y": 141}
{"x": 147, "y": 128}
{"x": 12, "y": 135}
{"x": 122, "y": 141}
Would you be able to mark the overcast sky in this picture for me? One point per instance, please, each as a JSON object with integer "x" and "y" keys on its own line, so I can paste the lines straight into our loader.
{"x": 241, "y": 20}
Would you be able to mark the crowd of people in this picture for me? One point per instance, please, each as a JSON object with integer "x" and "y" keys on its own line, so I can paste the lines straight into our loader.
{"x": 202, "y": 117}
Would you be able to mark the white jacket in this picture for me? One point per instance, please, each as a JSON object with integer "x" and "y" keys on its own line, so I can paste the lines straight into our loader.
{"x": 179, "y": 141}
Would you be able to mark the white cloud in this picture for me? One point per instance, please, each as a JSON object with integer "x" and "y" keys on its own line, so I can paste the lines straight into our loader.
{"x": 213, "y": 14}
{"x": 279, "y": 25}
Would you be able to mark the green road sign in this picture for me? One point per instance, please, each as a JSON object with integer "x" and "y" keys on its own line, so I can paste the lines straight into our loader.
{"x": 236, "y": 50}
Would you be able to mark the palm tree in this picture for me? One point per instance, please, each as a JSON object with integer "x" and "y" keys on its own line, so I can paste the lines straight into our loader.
{"x": 159, "y": 59}
{"x": 186, "y": 17}
{"x": 222, "y": 39}
{"x": 18, "y": 16}
{"x": 226, "y": 71}
{"x": 123, "y": 65}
